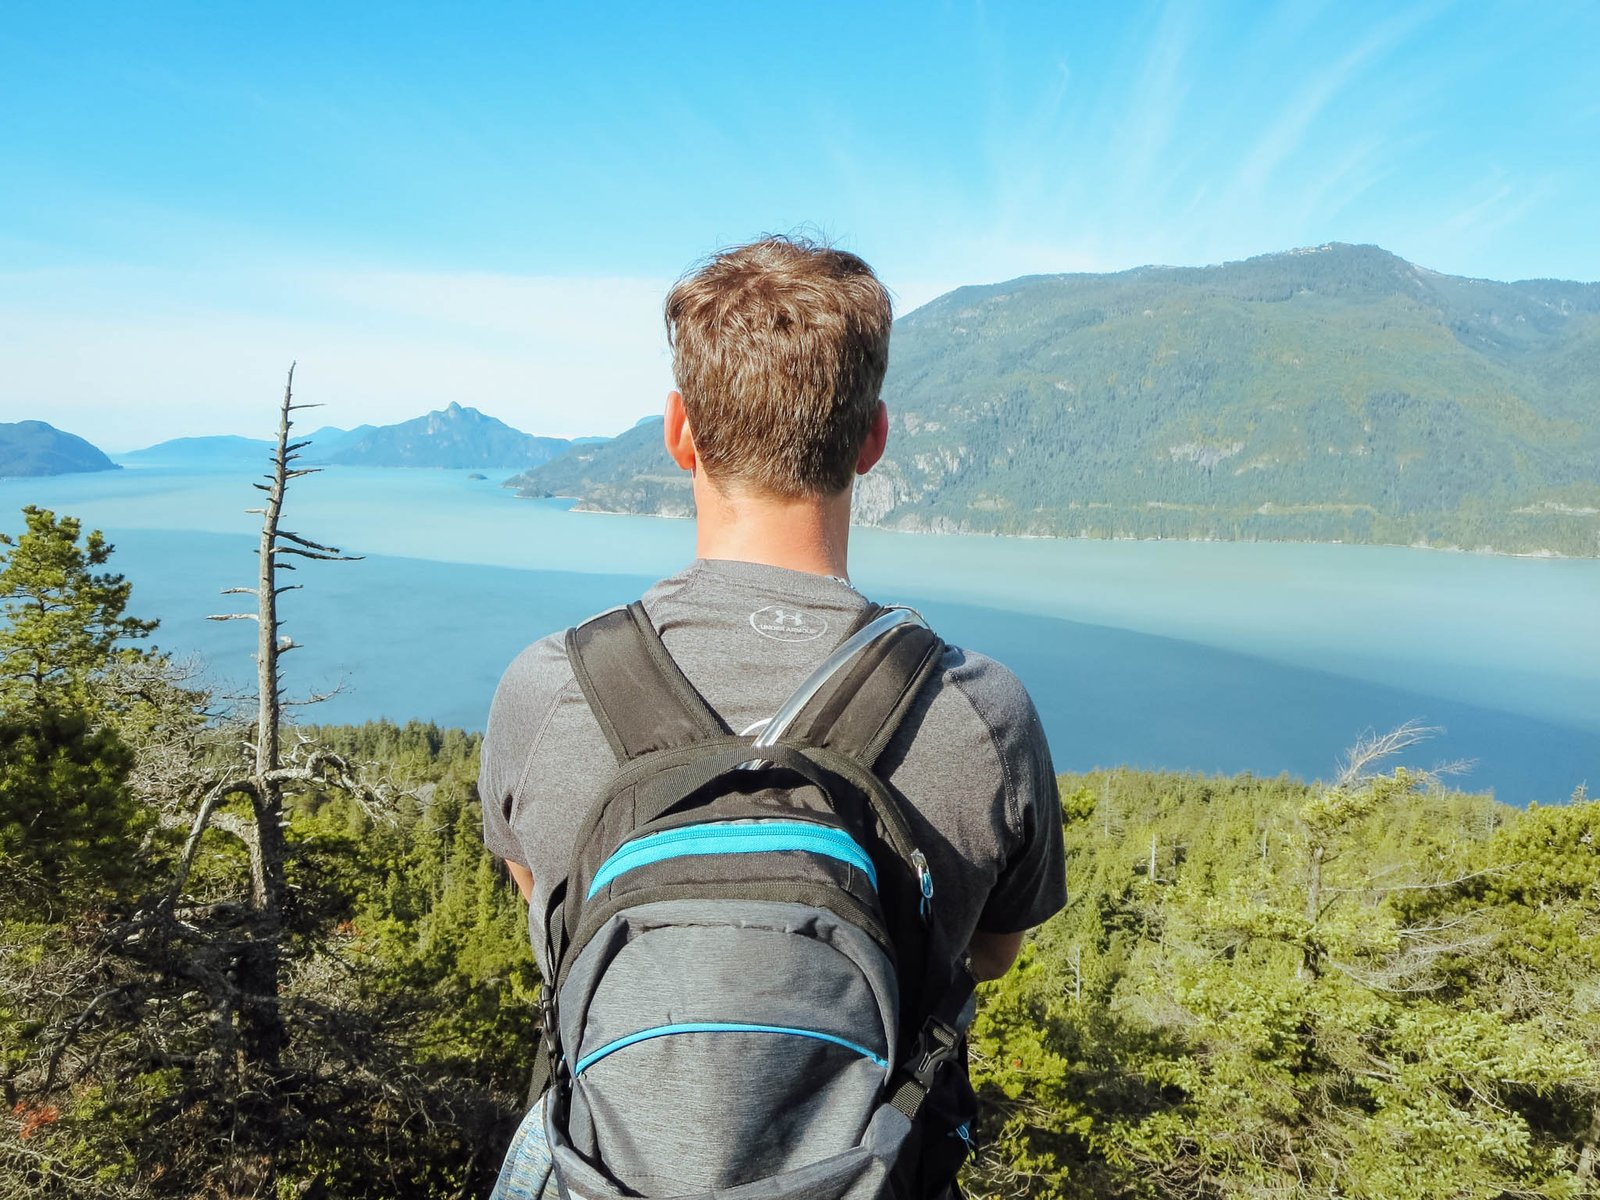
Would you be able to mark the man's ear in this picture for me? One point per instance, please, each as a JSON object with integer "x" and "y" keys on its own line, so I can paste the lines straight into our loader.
{"x": 877, "y": 439}
{"x": 676, "y": 433}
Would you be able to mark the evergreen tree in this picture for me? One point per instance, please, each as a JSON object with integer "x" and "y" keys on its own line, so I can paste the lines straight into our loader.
{"x": 68, "y": 822}
{"x": 62, "y": 618}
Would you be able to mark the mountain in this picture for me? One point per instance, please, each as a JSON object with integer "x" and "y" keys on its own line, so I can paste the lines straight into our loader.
{"x": 629, "y": 473}
{"x": 231, "y": 450}
{"x": 454, "y": 437}
{"x": 1332, "y": 394}
{"x": 35, "y": 448}
{"x": 224, "y": 449}
{"x": 330, "y": 439}
{"x": 448, "y": 439}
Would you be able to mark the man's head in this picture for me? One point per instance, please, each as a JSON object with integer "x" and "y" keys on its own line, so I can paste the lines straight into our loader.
{"x": 779, "y": 350}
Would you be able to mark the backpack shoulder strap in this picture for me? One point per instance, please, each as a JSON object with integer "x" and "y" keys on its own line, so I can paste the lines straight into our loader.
{"x": 639, "y": 695}
{"x": 859, "y": 710}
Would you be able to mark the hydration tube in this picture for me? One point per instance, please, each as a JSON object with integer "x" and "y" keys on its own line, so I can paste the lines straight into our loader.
{"x": 878, "y": 627}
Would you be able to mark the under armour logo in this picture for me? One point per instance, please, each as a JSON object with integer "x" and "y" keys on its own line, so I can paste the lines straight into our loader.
{"x": 784, "y": 624}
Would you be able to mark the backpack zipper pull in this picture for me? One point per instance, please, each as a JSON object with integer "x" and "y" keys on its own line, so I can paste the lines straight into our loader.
{"x": 924, "y": 882}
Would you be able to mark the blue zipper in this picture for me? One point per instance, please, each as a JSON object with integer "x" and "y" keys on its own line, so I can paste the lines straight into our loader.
{"x": 735, "y": 837}
{"x": 644, "y": 1035}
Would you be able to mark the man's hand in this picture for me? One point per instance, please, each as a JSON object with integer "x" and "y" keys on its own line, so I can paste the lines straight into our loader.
{"x": 991, "y": 954}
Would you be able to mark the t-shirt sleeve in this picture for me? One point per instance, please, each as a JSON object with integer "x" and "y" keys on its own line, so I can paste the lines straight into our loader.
{"x": 522, "y": 704}
{"x": 1032, "y": 885}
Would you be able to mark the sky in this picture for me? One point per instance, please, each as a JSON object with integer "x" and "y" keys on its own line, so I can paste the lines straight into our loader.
{"x": 486, "y": 203}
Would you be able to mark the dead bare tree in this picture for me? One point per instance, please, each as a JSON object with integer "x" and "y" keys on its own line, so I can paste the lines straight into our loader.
{"x": 1359, "y": 787}
{"x": 258, "y": 969}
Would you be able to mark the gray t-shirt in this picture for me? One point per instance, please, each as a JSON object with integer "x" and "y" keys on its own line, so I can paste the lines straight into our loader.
{"x": 971, "y": 756}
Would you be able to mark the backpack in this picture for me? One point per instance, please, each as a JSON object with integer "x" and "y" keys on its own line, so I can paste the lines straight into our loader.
{"x": 751, "y": 996}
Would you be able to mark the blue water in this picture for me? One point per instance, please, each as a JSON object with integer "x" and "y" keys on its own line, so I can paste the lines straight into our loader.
{"x": 1208, "y": 656}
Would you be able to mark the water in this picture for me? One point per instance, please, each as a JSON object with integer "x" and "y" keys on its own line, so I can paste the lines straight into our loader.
{"x": 1207, "y": 656}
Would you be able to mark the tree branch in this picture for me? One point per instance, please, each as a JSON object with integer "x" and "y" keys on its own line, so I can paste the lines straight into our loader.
{"x": 315, "y": 555}
{"x": 307, "y": 542}
{"x": 202, "y": 818}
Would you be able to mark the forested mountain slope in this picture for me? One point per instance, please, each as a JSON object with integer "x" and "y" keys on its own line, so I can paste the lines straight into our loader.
{"x": 1340, "y": 393}
{"x": 36, "y": 448}
{"x": 631, "y": 473}
{"x": 218, "y": 450}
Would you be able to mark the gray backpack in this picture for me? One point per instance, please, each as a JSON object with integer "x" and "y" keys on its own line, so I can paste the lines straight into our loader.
{"x": 751, "y": 997}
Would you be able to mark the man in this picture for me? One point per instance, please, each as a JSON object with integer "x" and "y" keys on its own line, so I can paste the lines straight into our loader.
{"x": 779, "y": 352}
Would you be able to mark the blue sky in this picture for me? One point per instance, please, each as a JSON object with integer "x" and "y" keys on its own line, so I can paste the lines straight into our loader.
{"x": 484, "y": 203}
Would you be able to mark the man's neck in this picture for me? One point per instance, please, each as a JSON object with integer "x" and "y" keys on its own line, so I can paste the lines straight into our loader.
{"x": 808, "y": 533}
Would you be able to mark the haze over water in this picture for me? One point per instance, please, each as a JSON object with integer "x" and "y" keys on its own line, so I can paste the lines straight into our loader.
{"x": 1206, "y": 656}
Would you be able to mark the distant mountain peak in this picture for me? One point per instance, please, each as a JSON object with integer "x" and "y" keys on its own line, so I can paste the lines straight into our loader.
{"x": 455, "y": 436}
{"x": 1325, "y": 248}
{"x": 1328, "y": 248}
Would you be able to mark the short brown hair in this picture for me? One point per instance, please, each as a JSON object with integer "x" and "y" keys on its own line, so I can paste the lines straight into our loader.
{"x": 779, "y": 348}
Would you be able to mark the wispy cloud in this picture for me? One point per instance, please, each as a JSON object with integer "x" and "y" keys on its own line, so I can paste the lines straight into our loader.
{"x": 1495, "y": 204}
{"x": 1158, "y": 96}
{"x": 1342, "y": 181}
{"x": 1287, "y": 134}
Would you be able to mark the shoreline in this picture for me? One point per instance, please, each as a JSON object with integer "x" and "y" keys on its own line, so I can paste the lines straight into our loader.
{"x": 1484, "y": 552}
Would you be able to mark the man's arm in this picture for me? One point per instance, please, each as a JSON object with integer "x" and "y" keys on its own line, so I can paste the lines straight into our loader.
{"x": 517, "y": 712}
{"x": 991, "y": 954}
{"x": 1031, "y": 886}
{"x": 523, "y": 878}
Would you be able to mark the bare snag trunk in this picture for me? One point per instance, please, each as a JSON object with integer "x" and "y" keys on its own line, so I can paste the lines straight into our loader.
{"x": 263, "y": 1034}
{"x": 261, "y": 1021}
